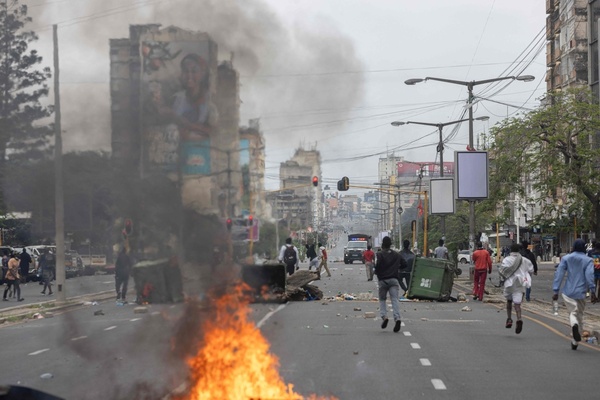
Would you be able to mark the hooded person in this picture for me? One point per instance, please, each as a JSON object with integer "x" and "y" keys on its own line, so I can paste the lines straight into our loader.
{"x": 579, "y": 269}
{"x": 515, "y": 271}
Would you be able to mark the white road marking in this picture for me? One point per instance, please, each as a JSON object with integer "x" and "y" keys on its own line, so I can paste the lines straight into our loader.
{"x": 135, "y": 319}
{"x": 402, "y": 324}
{"x": 109, "y": 282}
{"x": 349, "y": 269}
{"x": 425, "y": 362}
{"x": 35, "y": 353}
{"x": 407, "y": 333}
{"x": 415, "y": 345}
{"x": 78, "y": 338}
{"x": 155, "y": 313}
{"x": 110, "y": 328}
{"x": 269, "y": 314}
{"x": 438, "y": 384}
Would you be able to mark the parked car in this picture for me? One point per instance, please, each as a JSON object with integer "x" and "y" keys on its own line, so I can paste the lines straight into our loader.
{"x": 464, "y": 257}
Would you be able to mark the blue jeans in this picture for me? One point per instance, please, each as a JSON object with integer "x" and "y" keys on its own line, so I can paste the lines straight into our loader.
{"x": 528, "y": 294}
{"x": 393, "y": 287}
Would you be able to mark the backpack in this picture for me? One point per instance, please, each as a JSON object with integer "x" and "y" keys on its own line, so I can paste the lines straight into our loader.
{"x": 289, "y": 255}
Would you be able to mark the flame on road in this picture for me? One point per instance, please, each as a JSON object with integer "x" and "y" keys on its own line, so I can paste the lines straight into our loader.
{"x": 234, "y": 362}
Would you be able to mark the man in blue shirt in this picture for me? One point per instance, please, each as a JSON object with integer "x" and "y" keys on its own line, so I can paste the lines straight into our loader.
{"x": 580, "y": 278}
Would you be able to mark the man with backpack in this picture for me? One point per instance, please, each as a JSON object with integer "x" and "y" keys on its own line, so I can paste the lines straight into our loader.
{"x": 288, "y": 255}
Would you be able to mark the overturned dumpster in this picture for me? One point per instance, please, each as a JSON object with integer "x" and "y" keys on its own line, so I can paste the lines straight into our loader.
{"x": 269, "y": 283}
{"x": 432, "y": 279}
{"x": 158, "y": 281}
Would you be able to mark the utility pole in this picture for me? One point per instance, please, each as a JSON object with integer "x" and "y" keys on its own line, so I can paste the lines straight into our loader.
{"x": 59, "y": 211}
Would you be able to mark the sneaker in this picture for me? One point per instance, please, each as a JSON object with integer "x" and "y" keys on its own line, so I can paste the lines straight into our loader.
{"x": 508, "y": 323}
{"x": 7, "y": 300}
{"x": 384, "y": 323}
{"x": 576, "y": 334}
{"x": 573, "y": 345}
{"x": 21, "y": 299}
{"x": 519, "y": 327}
{"x": 397, "y": 326}
{"x": 475, "y": 297}
{"x": 43, "y": 292}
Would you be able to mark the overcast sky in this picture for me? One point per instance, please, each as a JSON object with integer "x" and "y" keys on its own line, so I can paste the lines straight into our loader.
{"x": 324, "y": 73}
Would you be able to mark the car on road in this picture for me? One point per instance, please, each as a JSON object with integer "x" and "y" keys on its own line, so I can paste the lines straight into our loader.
{"x": 464, "y": 257}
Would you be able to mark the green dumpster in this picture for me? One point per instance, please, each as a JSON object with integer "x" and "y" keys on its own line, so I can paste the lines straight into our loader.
{"x": 431, "y": 279}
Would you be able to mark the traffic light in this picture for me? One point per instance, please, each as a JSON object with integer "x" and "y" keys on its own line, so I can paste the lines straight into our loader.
{"x": 229, "y": 223}
{"x": 250, "y": 220}
{"x": 315, "y": 181}
{"x": 343, "y": 184}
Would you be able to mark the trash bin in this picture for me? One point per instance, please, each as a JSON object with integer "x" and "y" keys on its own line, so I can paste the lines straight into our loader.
{"x": 157, "y": 281}
{"x": 267, "y": 282}
{"x": 431, "y": 279}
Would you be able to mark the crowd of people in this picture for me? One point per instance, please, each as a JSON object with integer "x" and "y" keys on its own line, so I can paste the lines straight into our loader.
{"x": 15, "y": 271}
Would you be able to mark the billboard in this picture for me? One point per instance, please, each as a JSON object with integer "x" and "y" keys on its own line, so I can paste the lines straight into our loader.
{"x": 441, "y": 198}
{"x": 471, "y": 175}
{"x": 178, "y": 115}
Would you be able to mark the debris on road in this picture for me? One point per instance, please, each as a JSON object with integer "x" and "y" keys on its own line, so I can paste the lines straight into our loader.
{"x": 466, "y": 308}
{"x": 99, "y": 312}
{"x": 140, "y": 310}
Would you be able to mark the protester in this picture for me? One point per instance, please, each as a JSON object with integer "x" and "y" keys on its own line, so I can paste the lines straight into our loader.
{"x": 441, "y": 251}
{"x": 369, "y": 260}
{"x": 47, "y": 265}
{"x": 525, "y": 252}
{"x": 122, "y": 271}
{"x": 13, "y": 278}
{"x": 387, "y": 270}
{"x": 515, "y": 270}
{"x": 24, "y": 262}
{"x": 595, "y": 255}
{"x": 483, "y": 266}
{"x": 579, "y": 269}
{"x": 312, "y": 256}
{"x": 288, "y": 255}
{"x": 405, "y": 271}
{"x": 323, "y": 263}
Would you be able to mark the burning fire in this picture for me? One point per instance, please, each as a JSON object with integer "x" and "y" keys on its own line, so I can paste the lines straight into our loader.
{"x": 234, "y": 362}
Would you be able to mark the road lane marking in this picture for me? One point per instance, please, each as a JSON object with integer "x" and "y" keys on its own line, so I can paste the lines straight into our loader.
{"x": 109, "y": 282}
{"x": 402, "y": 324}
{"x": 78, "y": 338}
{"x": 135, "y": 319}
{"x": 35, "y": 353}
{"x": 349, "y": 269}
{"x": 425, "y": 362}
{"x": 415, "y": 346}
{"x": 156, "y": 313}
{"x": 407, "y": 333}
{"x": 269, "y": 314}
{"x": 110, "y": 328}
{"x": 438, "y": 384}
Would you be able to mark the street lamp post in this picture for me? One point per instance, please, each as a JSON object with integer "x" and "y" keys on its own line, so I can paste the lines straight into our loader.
{"x": 470, "y": 85}
{"x": 440, "y": 149}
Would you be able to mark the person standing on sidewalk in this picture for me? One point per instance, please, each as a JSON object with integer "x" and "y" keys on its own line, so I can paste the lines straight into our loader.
{"x": 441, "y": 251}
{"x": 24, "y": 262}
{"x": 47, "y": 266}
{"x": 13, "y": 278}
{"x": 595, "y": 255}
{"x": 579, "y": 269}
{"x": 515, "y": 270}
{"x": 483, "y": 266}
{"x": 369, "y": 260}
{"x": 387, "y": 269}
{"x": 409, "y": 259}
{"x": 525, "y": 252}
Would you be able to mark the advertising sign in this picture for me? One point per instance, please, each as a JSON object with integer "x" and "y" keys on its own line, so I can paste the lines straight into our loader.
{"x": 471, "y": 175}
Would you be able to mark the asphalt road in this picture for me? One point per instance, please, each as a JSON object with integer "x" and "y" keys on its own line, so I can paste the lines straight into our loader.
{"x": 326, "y": 347}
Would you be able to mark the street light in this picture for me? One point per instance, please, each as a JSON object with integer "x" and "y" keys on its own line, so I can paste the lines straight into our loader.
{"x": 440, "y": 149}
{"x": 470, "y": 85}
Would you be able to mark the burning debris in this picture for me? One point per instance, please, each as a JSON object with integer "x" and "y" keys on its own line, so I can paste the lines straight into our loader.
{"x": 234, "y": 361}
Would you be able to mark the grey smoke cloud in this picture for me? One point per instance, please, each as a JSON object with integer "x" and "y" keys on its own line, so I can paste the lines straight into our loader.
{"x": 286, "y": 70}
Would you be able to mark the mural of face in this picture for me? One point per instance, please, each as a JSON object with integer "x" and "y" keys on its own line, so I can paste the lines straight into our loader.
{"x": 193, "y": 74}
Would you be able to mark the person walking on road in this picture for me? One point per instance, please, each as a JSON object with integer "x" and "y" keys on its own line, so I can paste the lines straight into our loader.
{"x": 47, "y": 265}
{"x": 122, "y": 271}
{"x": 387, "y": 270}
{"x": 24, "y": 262}
{"x": 441, "y": 251}
{"x": 515, "y": 270}
{"x": 483, "y": 266}
{"x": 323, "y": 263}
{"x": 312, "y": 257}
{"x": 288, "y": 255}
{"x": 595, "y": 255}
{"x": 579, "y": 269}
{"x": 13, "y": 278}
{"x": 525, "y": 252}
{"x": 409, "y": 258}
{"x": 369, "y": 260}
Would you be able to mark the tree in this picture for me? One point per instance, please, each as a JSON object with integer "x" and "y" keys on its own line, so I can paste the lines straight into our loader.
{"x": 22, "y": 86}
{"x": 549, "y": 157}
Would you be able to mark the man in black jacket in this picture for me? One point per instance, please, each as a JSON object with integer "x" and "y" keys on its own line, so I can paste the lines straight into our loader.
{"x": 525, "y": 252}
{"x": 387, "y": 269}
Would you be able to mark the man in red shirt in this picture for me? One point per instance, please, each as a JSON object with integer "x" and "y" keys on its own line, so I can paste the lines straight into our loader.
{"x": 483, "y": 266}
{"x": 369, "y": 260}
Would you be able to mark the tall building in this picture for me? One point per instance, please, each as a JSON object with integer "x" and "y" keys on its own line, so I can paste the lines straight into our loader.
{"x": 572, "y": 44}
{"x": 252, "y": 161}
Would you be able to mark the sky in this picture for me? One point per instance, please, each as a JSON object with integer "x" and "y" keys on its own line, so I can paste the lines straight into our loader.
{"x": 324, "y": 74}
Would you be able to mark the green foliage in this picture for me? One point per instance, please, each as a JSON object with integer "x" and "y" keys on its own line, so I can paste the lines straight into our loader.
{"x": 549, "y": 156}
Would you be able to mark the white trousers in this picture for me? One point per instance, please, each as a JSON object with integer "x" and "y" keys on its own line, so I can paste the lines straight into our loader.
{"x": 575, "y": 309}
